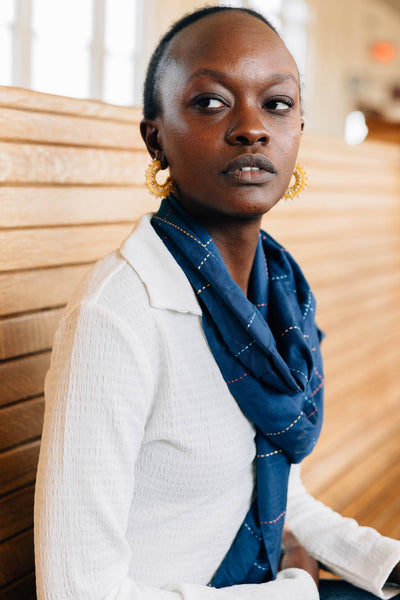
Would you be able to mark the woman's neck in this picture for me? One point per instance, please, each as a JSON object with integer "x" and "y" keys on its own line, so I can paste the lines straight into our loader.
{"x": 236, "y": 240}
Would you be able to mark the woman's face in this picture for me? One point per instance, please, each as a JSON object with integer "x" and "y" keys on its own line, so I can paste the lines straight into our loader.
{"x": 230, "y": 122}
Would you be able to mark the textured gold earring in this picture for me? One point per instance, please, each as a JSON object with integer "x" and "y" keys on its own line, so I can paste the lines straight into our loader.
{"x": 300, "y": 183}
{"x": 160, "y": 191}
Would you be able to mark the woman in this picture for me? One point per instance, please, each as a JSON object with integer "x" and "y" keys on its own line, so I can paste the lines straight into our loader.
{"x": 191, "y": 354}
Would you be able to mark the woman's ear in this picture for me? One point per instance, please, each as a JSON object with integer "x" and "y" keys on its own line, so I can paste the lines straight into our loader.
{"x": 149, "y": 131}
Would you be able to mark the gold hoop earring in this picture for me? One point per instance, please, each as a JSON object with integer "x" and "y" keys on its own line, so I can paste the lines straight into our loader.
{"x": 300, "y": 184}
{"x": 159, "y": 191}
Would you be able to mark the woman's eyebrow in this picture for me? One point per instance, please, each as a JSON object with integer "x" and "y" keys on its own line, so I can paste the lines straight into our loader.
{"x": 224, "y": 76}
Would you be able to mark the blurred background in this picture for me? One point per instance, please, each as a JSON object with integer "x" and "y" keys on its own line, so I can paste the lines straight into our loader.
{"x": 100, "y": 48}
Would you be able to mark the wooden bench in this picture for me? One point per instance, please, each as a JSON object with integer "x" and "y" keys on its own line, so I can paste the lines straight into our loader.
{"x": 71, "y": 187}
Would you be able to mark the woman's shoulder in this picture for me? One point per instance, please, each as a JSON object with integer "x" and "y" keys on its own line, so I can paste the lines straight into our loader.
{"x": 110, "y": 284}
{"x": 135, "y": 284}
{"x": 113, "y": 284}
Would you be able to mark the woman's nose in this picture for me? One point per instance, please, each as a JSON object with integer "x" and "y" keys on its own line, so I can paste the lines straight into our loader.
{"x": 248, "y": 129}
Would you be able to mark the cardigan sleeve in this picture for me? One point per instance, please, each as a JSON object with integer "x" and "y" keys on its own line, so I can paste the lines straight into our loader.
{"x": 358, "y": 554}
{"x": 99, "y": 392}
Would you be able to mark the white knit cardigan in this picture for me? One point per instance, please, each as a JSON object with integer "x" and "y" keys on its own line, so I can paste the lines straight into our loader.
{"x": 146, "y": 464}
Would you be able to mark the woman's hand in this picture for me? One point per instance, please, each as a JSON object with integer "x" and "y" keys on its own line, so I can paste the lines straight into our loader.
{"x": 294, "y": 555}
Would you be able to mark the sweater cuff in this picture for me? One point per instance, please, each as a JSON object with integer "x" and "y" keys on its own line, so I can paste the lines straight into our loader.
{"x": 387, "y": 555}
{"x": 292, "y": 583}
{"x": 376, "y": 566}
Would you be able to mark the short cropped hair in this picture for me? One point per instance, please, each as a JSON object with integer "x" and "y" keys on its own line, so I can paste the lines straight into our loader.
{"x": 151, "y": 94}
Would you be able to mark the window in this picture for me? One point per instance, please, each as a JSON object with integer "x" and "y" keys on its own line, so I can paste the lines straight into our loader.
{"x": 81, "y": 48}
{"x": 121, "y": 44}
{"x": 6, "y": 40}
{"x": 61, "y": 36}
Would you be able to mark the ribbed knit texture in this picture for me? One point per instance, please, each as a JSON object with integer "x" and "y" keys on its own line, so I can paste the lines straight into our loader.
{"x": 145, "y": 471}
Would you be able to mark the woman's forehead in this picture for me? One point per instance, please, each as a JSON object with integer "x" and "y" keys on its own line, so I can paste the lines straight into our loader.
{"x": 227, "y": 38}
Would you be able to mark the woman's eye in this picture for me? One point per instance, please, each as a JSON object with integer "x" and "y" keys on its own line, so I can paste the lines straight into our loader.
{"x": 280, "y": 104}
{"x": 207, "y": 102}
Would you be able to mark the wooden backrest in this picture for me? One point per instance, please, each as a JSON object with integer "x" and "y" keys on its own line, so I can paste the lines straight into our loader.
{"x": 345, "y": 232}
{"x": 71, "y": 188}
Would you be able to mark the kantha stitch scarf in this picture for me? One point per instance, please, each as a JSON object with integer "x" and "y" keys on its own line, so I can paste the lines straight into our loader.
{"x": 267, "y": 348}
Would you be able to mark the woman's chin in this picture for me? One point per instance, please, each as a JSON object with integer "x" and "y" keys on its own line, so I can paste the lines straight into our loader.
{"x": 241, "y": 203}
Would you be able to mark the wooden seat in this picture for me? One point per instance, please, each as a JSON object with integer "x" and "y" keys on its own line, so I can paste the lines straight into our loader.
{"x": 71, "y": 188}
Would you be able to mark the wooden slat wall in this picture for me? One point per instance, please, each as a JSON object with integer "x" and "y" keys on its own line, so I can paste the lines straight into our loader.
{"x": 71, "y": 188}
{"x": 345, "y": 232}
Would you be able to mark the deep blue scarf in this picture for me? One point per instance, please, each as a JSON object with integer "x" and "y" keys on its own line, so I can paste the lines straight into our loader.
{"x": 267, "y": 348}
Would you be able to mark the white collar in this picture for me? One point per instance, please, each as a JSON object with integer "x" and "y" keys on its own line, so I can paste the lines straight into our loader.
{"x": 166, "y": 283}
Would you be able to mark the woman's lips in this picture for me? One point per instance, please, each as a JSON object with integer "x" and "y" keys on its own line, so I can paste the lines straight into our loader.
{"x": 250, "y": 168}
{"x": 243, "y": 176}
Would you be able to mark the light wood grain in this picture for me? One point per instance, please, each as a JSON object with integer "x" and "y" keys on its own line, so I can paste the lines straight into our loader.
{"x": 327, "y": 273}
{"x": 23, "y": 291}
{"x": 42, "y": 247}
{"x": 23, "y": 377}
{"x": 379, "y": 503}
{"x": 378, "y": 306}
{"x": 28, "y": 334}
{"x": 21, "y": 422}
{"x": 350, "y": 444}
{"x": 72, "y": 205}
{"x": 369, "y": 492}
{"x": 344, "y": 226}
{"x": 340, "y": 178}
{"x": 34, "y": 206}
{"x": 360, "y": 470}
{"x": 342, "y": 240}
{"x": 355, "y": 286}
{"x": 322, "y": 199}
{"x": 337, "y": 255}
{"x": 340, "y": 390}
{"x": 39, "y": 127}
{"x": 326, "y": 148}
{"x": 33, "y": 101}
{"x": 346, "y": 370}
{"x": 18, "y": 466}
{"x": 40, "y": 164}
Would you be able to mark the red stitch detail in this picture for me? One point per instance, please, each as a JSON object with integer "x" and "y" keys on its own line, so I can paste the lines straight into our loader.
{"x": 311, "y": 414}
{"x": 238, "y": 379}
{"x": 262, "y": 304}
{"x": 318, "y": 388}
{"x": 318, "y": 374}
{"x": 275, "y": 520}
